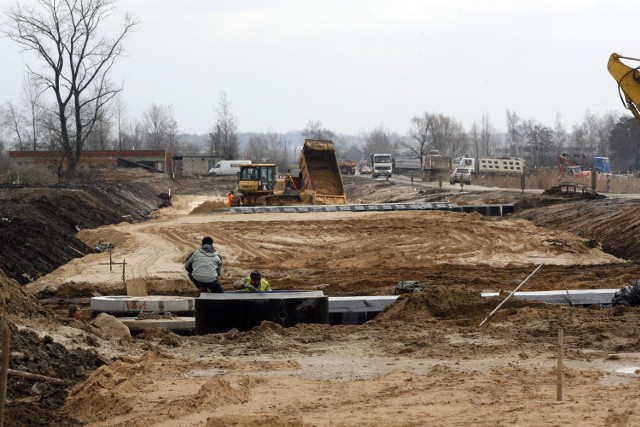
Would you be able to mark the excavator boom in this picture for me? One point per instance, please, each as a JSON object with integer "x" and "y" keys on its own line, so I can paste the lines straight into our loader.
{"x": 628, "y": 82}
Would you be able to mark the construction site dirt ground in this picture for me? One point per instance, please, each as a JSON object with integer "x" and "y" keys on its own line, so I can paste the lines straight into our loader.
{"x": 425, "y": 360}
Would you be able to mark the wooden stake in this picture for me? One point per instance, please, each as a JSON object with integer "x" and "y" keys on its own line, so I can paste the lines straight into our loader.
{"x": 560, "y": 367}
{"x": 512, "y": 292}
{"x": 4, "y": 371}
{"x": 38, "y": 377}
{"x": 124, "y": 280}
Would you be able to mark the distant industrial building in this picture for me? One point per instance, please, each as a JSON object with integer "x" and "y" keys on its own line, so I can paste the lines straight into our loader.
{"x": 155, "y": 160}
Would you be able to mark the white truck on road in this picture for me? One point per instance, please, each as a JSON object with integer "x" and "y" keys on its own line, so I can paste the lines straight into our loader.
{"x": 381, "y": 165}
{"x": 228, "y": 167}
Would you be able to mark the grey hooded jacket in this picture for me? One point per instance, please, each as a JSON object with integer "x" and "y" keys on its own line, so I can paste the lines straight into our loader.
{"x": 204, "y": 264}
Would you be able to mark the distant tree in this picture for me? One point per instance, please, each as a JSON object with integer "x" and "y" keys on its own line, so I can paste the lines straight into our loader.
{"x": 434, "y": 132}
{"x": 225, "y": 130}
{"x": 76, "y": 59}
{"x": 269, "y": 147}
{"x": 516, "y": 133}
{"x": 161, "y": 128}
{"x": 156, "y": 126}
{"x": 590, "y": 137}
{"x": 119, "y": 114}
{"x": 378, "y": 141}
{"x": 351, "y": 152}
{"x": 559, "y": 132}
{"x": 34, "y": 110}
{"x": 26, "y": 118}
{"x": 13, "y": 119}
{"x": 487, "y": 132}
{"x": 448, "y": 136}
{"x": 540, "y": 142}
{"x": 624, "y": 143}
{"x": 474, "y": 134}
{"x": 98, "y": 139}
{"x": 314, "y": 130}
{"x": 420, "y": 138}
{"x": 257, "y": 146}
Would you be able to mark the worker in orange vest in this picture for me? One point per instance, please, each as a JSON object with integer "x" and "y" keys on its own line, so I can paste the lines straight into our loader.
{"x": 230, "y": 198}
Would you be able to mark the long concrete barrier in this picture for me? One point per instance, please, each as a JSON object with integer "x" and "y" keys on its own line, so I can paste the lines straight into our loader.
{"x": 486, "y": 210}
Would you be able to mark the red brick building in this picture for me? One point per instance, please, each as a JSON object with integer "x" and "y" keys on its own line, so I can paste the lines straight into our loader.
{"x": 160, "y": 160}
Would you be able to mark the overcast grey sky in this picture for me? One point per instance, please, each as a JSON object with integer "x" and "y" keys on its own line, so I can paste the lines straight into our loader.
{"x": 355, "y": 65}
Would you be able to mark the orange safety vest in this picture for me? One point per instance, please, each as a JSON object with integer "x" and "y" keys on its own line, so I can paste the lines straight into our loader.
{"x": 229, "y": 199}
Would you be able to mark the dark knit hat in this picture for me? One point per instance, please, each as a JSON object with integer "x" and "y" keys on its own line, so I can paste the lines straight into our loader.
{"x": 256, "y": 275}
{"x": 207, "y": 240}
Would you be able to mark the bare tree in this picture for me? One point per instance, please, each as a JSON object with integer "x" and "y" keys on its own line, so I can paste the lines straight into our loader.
{"x": 14, "y": 119}
{"x": 540, "y": 142}
{"x": 314, "y": 130}
{"x": 559, "y": 132}
{"x": 378, "y": 141}
{"x": 34, "y": 112}
{"x": 119, "y": 111}
{"x": 435, "y": 132}
{"x": 161, "y": 128}
{"x": 76, "y": 58}
{"x": 420, "y": 136}
{"x": 623, "y": 142}
{"x": 516, "y": 133}
{"x": 225, "y": 129}
{"x": 98, "y": 139}
{"x": 591, "y": 137}
{"x": 475, "y": 138}
{"x": 448, "y": 135}
{"x": 487, "y": 132}
{"x": 269, "y": 147}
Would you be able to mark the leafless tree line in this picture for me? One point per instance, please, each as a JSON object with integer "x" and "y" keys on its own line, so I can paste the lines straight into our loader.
{"x": 537, "y": 143}
{"x": 70, "y": 105}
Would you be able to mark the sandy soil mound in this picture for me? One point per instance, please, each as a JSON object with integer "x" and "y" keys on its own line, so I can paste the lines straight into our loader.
{"x": 38, "y": 403}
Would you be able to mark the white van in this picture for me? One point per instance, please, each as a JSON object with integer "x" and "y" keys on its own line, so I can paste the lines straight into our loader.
{"x": 228, "y": 167}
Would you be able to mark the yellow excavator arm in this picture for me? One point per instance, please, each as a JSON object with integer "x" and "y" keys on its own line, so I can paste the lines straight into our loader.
{"x": 628, "y": 82}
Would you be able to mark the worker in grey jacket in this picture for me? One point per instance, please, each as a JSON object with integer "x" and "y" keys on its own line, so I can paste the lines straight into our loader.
{"x": 205, "y": 267}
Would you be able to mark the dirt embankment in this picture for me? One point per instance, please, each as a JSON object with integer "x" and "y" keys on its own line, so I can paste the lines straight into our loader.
{"x": 614, "y": 225}
{"x": 39, "y": 225}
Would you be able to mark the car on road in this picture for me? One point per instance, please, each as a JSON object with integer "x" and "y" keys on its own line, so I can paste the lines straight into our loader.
{"x": 460, "y": 174}
{"x": 364, "y": 169}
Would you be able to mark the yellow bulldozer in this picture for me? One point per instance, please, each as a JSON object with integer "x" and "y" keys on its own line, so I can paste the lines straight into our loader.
{"x": 260, "y": 185}
{"x": 318, "y": 183}
{"x": 628, "y": 82}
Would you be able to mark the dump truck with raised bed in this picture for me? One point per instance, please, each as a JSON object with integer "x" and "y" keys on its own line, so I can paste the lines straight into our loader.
{"x": 320, "y": 173}
{"x": 318, "y": 183}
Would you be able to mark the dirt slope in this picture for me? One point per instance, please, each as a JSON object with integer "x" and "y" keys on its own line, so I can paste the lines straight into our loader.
{"x": 614, "y": 224}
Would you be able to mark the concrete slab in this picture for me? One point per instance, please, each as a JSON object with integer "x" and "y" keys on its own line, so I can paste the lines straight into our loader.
{"x": 359, "y": 304}
{"x": 575, "y": 296}
{"x": 177, "y": 324}
{"x": 488, "y": 210}
{"x": 356, "y": 310}
{"x": 124, "y": 305}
